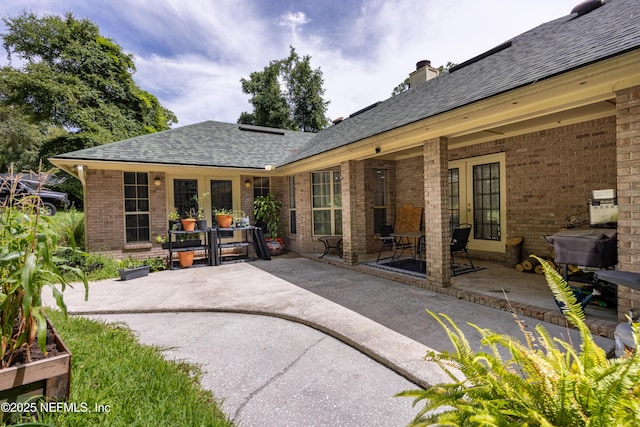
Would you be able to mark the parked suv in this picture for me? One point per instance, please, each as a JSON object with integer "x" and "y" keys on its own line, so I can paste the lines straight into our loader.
{"x": 51, "y": 200}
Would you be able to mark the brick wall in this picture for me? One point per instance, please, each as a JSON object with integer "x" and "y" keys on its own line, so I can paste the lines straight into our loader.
{"x": 410, "y": 181}
{"x": 435, "y": 192}
{"x": 550, "y": 175}
{"x": 628, "y": 156}
{"x": 104, "y": 210}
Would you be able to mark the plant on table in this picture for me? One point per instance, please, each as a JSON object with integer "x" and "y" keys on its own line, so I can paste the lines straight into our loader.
{"x": 29, "y": 262}
{"x": 266, "y": 210}
{"x": 545, "y": 382}
{"x": 200, "y": 201}
{"x": 224, "y": 217}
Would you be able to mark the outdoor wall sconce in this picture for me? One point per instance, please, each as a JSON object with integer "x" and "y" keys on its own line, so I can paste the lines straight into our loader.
{"x": 247, "y": 183}
{"x": 157, "y": 182}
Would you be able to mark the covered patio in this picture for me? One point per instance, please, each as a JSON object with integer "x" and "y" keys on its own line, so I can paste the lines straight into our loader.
{"x": 493, "y": 285}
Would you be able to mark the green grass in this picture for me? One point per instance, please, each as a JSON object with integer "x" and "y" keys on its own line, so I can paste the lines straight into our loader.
{"x": 110, "y": 368}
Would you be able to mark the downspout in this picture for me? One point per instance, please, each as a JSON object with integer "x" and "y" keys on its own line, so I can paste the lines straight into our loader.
{"x": 81, "y": 172}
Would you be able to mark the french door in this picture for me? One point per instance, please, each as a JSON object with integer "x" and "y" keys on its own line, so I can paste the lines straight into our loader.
{"x": 478, "y": 197}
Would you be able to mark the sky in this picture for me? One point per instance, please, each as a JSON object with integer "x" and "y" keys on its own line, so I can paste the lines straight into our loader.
{"x": 191, "y": 54}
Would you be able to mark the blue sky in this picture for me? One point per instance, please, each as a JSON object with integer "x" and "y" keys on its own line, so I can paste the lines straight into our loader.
{"x": 191, "y": 54}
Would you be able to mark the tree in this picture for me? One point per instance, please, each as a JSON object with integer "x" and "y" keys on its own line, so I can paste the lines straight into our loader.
{"x": 287, "y": 94}
{"x": 405, "y": 85}
{"x": 73, "y": 84}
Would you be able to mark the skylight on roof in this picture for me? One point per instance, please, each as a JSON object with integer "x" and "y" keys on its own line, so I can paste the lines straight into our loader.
{"x": 260, "y": 129}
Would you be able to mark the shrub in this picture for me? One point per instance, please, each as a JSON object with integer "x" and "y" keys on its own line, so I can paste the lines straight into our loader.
{"x": 545, "y": 382}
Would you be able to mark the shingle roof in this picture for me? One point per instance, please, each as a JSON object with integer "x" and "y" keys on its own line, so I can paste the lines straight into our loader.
{"x": 207, "y": 143}
{"x": 548, "y": 50}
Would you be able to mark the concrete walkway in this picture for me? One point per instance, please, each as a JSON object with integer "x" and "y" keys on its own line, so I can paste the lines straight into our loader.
{"x": 355, "y": 340}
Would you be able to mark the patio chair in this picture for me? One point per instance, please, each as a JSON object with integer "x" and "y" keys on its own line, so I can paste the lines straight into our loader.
{"x": 385, "y": 238}
{"x": 459, "y": 240}
{"x": 391, "y": 242}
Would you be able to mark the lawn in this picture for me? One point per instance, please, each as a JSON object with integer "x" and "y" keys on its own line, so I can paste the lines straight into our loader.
{"x": 116, "y": 381}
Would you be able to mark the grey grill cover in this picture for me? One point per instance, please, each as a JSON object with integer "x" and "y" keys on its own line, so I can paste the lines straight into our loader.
{"x": 594, "y": 247}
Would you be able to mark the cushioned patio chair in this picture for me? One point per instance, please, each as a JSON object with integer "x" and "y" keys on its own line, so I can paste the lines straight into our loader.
{"x": 459, "y": 241}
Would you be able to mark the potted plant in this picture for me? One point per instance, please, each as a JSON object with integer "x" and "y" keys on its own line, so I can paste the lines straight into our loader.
{"x": 32, "y": 355}
{"x": 238, "y": 217}
{"x": 224, "y": 217}
{"x": 189, "y": 221}
{"x": 174, "y": 220}
{"x": 201, "y": 221}
{"x": 185, "y": 258}
{"x": 132, "y": 269}
{"x": 266, "y": 210}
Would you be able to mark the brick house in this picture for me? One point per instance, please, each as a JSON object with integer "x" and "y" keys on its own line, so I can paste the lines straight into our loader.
{"x": 546, "y": 118}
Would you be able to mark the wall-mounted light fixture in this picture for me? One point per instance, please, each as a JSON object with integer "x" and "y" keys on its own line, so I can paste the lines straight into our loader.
{"x": 157, "y": 181}
{"x": 247, "y": 183}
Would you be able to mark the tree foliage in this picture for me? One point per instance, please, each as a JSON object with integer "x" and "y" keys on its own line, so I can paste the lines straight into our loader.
{"x": 73, "y": 85}
{"x": 406, "y": 84}
{"x": 287, "y": 94}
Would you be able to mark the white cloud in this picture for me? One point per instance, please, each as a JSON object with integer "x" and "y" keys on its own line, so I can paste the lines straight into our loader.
{"x": 293, "y": 20}
{"x": 191, "y": 54}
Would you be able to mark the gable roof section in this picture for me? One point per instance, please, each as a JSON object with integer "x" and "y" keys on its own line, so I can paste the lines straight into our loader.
{"x": 210, "y": 143}
{"x": 551, "y": 49}
{"x": 548, "y": 50}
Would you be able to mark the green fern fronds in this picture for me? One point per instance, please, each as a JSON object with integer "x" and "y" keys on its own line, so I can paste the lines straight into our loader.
{"x": 545, "y": 381}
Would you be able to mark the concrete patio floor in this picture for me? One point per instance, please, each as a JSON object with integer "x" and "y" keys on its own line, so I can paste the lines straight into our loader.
{"x": 494, "y": 286}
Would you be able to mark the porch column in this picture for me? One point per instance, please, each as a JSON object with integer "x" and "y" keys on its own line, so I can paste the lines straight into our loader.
{"x": 628, "y": 163}
{"x": 436, "y": 212}
{"x": 353, "y": 210}
{"x": 628, "y": 192}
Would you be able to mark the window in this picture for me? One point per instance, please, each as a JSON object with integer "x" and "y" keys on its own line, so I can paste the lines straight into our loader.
{"x": 260, "y": 186}
{"x": 184, "y": 191}
{"x": 292, "y": 205}
{"x": 380, "y": 198}
{"x": 326, "y": 202}
{"x": 486, "y": 201}
{"x": 136, "y": 206}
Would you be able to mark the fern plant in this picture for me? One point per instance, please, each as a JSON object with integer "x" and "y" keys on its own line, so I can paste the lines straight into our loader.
{"x": 544, "y": 381}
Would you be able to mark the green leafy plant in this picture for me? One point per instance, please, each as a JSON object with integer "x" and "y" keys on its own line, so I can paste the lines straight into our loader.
{"x": 544, "y": 382}
{"x": 200, "y": 200}
{"x": 266, "y": 210}
{"x": 174, "y": 215}
{"x": 222, "y": 211}
{"x": 30, "y": 260}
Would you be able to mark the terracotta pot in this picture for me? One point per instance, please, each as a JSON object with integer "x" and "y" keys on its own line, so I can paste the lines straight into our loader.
{"x": 185, "y": 258}
{"x": 188, "y": 224}
{"x": 224, "y": 221}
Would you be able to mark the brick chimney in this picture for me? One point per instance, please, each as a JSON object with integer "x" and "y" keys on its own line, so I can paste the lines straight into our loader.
{"x": 424, "y": 71}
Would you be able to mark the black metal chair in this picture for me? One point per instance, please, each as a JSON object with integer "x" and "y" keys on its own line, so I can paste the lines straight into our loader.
{"x": 385, "y": 237}
{"x": 459, "y": 241}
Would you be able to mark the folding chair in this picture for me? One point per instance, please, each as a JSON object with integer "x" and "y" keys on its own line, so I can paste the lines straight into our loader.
{"x": 459, "y": 240}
